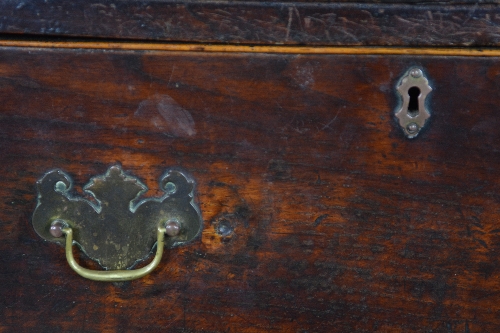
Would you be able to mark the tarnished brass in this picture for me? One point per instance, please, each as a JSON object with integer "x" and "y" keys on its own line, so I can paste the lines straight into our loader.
{"x": 116, "y": 228}
{"x": 413, "y": 113}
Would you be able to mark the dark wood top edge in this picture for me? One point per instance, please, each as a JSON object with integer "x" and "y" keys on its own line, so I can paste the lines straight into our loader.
{"x": 283, "y": 49}
{"x": 375, "y": 2}
{"x": 265, "y": 23}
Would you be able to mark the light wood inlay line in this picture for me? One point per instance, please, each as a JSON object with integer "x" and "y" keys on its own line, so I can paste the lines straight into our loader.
{"x": 354, "y": 50}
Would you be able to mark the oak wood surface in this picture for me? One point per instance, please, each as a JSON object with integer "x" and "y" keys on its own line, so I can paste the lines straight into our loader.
{"x": 340, "y": 223}
{"x": 426, "y": 23}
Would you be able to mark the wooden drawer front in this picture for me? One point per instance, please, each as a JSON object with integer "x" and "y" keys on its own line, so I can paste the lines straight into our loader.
{"x": 341, "y": 224}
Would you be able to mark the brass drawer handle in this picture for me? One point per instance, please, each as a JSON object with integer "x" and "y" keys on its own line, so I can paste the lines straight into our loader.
{"x": 115, "y": 226}
{"x": 116, "y": 275}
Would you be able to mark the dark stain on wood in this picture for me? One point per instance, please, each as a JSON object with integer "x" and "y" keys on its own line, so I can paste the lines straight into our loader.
{"x": 319, "y": 219}
{"x": 339, "y": 223}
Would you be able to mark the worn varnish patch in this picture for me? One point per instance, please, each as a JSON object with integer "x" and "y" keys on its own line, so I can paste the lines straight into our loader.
{"x": 319, "y": 215}
{"x": 162, "y": 112}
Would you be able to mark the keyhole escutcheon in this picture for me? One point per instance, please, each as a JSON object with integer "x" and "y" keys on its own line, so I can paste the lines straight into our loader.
{"x": 413, "y": 114}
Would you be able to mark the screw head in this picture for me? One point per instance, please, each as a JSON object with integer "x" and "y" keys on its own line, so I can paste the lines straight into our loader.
{"x": 416, "y": 72}
{"x": 412, "y": 128}
{"x": 172, "y": 228}
{"x": 56, "y": 228}
{"x": 224, "y": 228}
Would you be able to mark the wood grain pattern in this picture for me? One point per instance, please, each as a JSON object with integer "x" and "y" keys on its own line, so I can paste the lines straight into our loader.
{"x": 380, "y": 24}
{"x": 340, "y": 224}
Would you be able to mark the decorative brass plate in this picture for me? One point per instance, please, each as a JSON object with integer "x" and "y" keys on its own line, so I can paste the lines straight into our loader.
{"x": 413, "y": 114}
{"x": 116, "y": 227}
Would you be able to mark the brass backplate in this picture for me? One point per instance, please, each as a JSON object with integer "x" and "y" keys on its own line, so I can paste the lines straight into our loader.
{"x": 114, "y": 226}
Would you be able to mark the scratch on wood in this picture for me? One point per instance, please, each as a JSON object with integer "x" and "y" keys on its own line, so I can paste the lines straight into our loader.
{"x": 319, "y": 219}
{"x": 290, "y": 18}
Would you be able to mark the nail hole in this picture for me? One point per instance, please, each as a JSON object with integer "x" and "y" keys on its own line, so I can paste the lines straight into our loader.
{"x": 413, "y": 92}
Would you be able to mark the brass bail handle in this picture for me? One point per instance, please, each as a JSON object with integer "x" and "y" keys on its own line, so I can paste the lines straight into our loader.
{"x": 171, "y": 228}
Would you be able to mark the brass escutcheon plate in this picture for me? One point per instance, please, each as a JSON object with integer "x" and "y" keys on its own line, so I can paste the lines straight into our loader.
{"x": 413, "y": 113}
{"x": 115, "y": 226}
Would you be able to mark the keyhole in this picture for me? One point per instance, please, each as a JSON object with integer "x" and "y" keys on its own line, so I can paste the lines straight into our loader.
{"x": 413, "y": 92}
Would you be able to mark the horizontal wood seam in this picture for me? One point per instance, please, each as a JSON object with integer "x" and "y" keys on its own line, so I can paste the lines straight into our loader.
{"x": 347, "y": 50}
